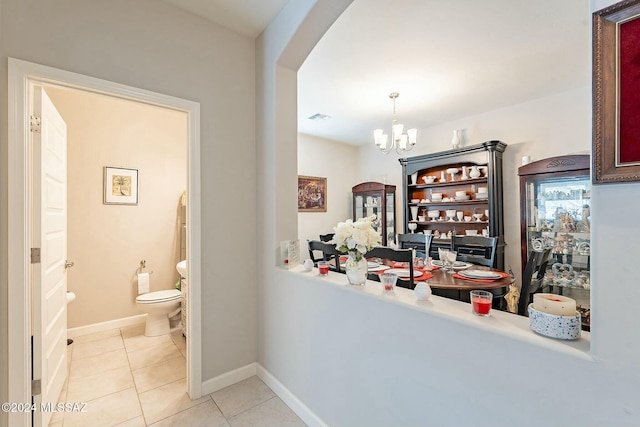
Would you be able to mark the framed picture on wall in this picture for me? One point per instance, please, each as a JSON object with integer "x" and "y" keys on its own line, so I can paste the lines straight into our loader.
{"x": 312, "y": 194}
{"x": 120, "y": 186}
{"x": 616, "y": 91}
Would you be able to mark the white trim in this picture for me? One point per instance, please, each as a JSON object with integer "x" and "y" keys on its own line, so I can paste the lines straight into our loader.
{"x": 307, "y": 415}
{"x": 21, "y": 75}
{"x": 228, "y": 378}
{"x": 108, "y": 325}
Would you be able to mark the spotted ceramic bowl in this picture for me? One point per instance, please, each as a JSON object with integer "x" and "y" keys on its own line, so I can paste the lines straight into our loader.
{"x": 553, "y": 326}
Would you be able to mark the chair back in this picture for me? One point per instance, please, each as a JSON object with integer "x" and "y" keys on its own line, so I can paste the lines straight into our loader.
{"x": 418, "y": 241}
{"x": 327, "y": 237}
{"x": 475, "y": 249}
{"x": 532, "y": 278}
{"x": 398, "y": 255}
{"x": 328, "y": 250}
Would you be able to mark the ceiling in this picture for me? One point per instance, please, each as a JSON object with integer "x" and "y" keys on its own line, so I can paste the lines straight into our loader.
{"x": 447, "y": 59}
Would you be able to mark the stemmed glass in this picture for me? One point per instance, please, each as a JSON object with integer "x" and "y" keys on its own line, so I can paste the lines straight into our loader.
{"x": 443, "y": 254}
{"x": 451, "y": 258}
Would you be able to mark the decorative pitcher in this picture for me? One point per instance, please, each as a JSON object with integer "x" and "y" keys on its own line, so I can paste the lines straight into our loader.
{"x": 475, "y": 172}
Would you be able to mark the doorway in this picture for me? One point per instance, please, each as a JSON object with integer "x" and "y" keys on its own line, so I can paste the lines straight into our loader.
{"x": 23, "y": 76}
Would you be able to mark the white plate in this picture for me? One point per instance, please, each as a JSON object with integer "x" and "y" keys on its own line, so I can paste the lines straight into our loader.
{"x": 458, "y": 265}
{"x": 480, "y": 274}
{"x": 404, "y": 272}
{"x": 379, "y": 268}
{"x": 372, "y": 264}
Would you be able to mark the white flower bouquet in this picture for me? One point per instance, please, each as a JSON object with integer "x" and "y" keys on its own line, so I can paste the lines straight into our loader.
{"x": 358, "y": 236}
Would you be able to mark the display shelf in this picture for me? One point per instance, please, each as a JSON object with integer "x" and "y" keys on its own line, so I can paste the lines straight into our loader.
{"x": 484, "y": 159}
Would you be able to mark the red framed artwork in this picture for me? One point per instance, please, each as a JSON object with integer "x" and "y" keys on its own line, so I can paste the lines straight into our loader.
{"x": 616, "y": 93}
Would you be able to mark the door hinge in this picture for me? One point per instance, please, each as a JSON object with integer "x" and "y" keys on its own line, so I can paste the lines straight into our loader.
{"x": 35, "y": 255}
{"x": 34, "y": 121}
{"x": 36, "y": 387}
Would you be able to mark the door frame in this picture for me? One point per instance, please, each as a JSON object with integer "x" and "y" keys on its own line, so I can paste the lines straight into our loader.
{"x": 21, "y": 77}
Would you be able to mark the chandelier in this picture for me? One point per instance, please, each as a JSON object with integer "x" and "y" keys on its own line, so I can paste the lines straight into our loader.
{"x": 401, "y": 142}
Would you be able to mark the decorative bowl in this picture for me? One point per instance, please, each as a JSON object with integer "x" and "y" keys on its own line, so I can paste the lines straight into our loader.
{"x": 554, "y": 326}
{"x": 429, "y": 179}
{"x": 453, "y": 170}
{"x": 471, "y": 232}
{"x": 415, "y": 200}
{"x": 436, "y": 196}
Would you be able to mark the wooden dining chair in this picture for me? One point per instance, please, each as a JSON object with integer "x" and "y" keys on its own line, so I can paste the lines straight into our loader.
{"x": 532, "y": 278}
{"x": 329, "y": 252}
{"x": 397, "y": 255}
{"x": 418, "y": 241}
{"x": 475, "y": 249}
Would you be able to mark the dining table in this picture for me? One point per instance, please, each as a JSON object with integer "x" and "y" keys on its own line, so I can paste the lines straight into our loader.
{"x": 452, "y": 285}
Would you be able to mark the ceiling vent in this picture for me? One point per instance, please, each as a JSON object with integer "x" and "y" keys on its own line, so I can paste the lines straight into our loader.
{"x": 318, "y": 117}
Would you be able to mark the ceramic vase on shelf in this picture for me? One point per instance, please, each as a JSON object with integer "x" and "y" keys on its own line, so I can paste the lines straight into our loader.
{"x": 414, "y": 178}
{"x": 356, "y": 268}
{"x": 414, "y": 213}
{"x": 464, "y": 174}
{"x": 455, "y": 141}
{"x": 474, "y": 173}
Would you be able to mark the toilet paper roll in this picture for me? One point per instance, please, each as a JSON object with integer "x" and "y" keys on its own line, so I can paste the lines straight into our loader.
{"x": 143, "y": 283}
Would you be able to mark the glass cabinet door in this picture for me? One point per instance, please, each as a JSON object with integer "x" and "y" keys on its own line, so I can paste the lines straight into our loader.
{"x": 391, "y": 217}
{"x": 556, "y": 214}
{"x": 374, "y": 198}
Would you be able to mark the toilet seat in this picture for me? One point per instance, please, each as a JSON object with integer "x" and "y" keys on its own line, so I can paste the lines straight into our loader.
{"x": 158, "y": 296}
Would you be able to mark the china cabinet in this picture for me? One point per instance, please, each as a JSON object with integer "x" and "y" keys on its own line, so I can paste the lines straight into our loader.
{"x": 375, "y": 198}
{"x": 455, "y": 192}
{"x": 555, "y": 206}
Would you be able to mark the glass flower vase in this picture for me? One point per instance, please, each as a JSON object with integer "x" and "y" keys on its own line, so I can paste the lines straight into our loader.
{"x": 356, "y": 268}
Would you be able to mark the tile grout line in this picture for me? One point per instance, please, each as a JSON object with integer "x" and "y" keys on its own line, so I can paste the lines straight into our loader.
{"x": 135, "y": 386}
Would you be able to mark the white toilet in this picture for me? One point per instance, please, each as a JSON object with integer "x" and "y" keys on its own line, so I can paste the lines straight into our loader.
{"x": 159, "y": 306}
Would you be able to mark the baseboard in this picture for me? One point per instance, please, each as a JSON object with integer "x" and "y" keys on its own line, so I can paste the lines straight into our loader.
{"x": 306, "y": 414}
{"x": 228, "y": 378}
{"x": 105, "y": 326}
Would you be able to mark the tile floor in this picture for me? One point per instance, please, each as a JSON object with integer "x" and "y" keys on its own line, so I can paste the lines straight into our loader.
{"x": 131, "y": 380}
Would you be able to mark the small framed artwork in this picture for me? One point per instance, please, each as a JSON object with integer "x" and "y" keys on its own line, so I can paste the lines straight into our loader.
{"x": 312, "y": 194}
{"x": 120, "y": 186}
{"x": 616, "y": 91}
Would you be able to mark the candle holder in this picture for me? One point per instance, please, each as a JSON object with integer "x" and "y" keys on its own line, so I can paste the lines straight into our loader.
{"x": 555, "y": 326}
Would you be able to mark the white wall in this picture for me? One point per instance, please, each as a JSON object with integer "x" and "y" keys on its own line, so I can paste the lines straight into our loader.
{"x": 154, "y": 46}
{"x": 339, "y": 164}
{"x": 358, "y": 360}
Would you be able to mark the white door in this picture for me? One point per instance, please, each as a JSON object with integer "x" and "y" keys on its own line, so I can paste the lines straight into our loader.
{"x": 49, "y": 279}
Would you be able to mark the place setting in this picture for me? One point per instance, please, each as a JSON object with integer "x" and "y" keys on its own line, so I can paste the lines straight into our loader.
{"x": 482, "y": 276}
{"x": 457, "y": 265}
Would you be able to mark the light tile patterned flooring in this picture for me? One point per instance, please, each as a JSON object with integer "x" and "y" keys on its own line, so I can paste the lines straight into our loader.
{"x": 129, "y": 380}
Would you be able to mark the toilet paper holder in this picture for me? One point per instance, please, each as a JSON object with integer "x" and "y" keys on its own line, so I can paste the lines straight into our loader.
{"x": 143, "y": 265}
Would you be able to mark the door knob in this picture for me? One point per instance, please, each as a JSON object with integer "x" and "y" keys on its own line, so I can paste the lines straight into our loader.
{"x": 68, "y": 264}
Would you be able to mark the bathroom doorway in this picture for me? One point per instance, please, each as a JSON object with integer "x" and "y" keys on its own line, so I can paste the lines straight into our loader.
{"x": 23, "y": 76}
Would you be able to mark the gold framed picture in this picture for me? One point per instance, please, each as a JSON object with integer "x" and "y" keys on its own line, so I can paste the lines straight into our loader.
{"x": 312, "y": 194}
{"x": 616, "y": 72}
